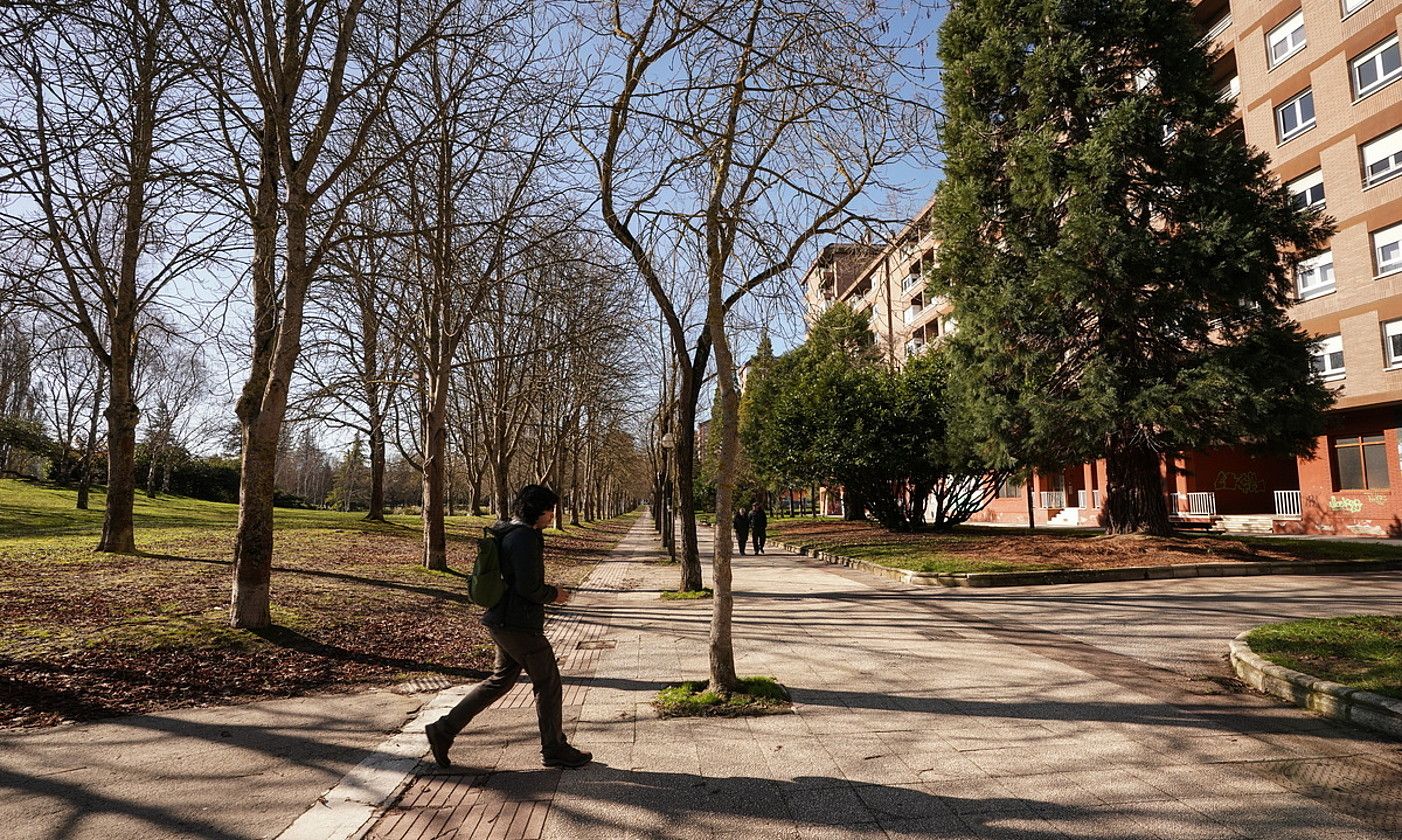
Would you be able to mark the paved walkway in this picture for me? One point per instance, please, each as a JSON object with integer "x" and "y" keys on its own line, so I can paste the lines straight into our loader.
{"x": 215, "y": 773}
{"x": 919, "y": 714}
{"x": 1095, "y": 711}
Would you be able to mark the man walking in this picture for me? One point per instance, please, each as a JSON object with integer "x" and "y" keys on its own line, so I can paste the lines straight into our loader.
{"x": 759, "y": 527}
{"x": 517, "y": 625}
{"x": 742, "y": 526}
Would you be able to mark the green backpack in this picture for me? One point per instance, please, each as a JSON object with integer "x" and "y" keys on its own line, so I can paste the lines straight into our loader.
{"x": 486, "y": 586}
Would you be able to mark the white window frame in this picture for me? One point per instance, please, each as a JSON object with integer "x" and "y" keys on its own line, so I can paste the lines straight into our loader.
{"x": 1302, "y": 186}
{"x": 1315, "y": 269}
{"x": 1374, "y": 55}
{"x": 1387, "y": 147}
{"x": 1351, "y": 6}
{"x": 1326, "y": 348}
{"x": 1392, "y": 330}
{"x": 1285, "y": 34}
{"x": 1293, "y": 103}
{"x": 1389, "y": 239}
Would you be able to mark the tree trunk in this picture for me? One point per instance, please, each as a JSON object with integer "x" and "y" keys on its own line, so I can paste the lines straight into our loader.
{"x": 118, "y": 528}
{"x": 377, "y": 472}
{"x": 722, "y": 651}
{"x": 253, "y": 543}
{"x": 502, "y": 494}
{"x": 277, "y": 335}
{"x": 685, "y": 465}
{"x": 85, "y": 474}
{"x": 1134, "y": 501}
{"x": 477, "y": 490}
{"x": 854, "y": 508}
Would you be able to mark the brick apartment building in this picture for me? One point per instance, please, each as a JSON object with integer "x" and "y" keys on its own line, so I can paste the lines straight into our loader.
{"x": 1318, "y": 86}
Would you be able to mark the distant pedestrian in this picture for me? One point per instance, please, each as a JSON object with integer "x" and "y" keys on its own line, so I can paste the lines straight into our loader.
{"x": 742, "y": 527}
{"x": 517, "y": 625}
{"x": 759, "y": 526}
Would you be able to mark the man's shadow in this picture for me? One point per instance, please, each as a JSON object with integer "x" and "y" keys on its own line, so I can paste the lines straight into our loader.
{"x": 601, "y": 800}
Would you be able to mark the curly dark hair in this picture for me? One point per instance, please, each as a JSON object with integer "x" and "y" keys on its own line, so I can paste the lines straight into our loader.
{"x": 532, "y": 501}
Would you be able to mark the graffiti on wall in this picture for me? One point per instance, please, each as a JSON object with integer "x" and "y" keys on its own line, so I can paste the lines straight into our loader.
{"x": 1350, "y": 505}
{"x": 1241, "y": 482}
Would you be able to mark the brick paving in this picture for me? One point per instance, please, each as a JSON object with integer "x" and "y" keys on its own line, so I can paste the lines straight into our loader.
{"x": 917, "y": 715}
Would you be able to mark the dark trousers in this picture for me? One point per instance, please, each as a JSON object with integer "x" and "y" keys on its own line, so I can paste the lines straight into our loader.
{"x": 517, "y": 649}
{"x": 741, "y": 535}
{"x": 759, "y": 537}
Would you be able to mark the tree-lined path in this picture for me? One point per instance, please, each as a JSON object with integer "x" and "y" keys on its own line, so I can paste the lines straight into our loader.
{"x": 929, "y": 714}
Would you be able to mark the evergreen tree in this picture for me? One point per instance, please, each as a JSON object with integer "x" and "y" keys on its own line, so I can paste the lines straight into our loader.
{"x": 1120, "y": 263}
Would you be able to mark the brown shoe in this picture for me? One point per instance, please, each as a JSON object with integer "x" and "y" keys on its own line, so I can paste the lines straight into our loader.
{"x": 439, "y": 744}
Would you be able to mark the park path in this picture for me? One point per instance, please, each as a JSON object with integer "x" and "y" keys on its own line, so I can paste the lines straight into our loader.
{"x": 918, "y": 714}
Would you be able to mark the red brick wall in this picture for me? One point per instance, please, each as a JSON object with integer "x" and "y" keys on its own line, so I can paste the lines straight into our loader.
{"x": 1326, "y": 510}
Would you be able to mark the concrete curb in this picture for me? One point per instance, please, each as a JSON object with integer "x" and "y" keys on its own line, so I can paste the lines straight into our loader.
{"x": 1061, "y": 576}
{"x": 1330, "y": 699}
{"x": 348, "y": 810}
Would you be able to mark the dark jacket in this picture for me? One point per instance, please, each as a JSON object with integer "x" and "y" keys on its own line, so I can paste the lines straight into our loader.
{"x": 759, "y": 522}
{"x": 523, "y": 568}
{"x": 742, "y": 521}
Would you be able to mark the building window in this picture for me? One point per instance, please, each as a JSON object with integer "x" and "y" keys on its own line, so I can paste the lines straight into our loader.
{"x": 1382, "y": 158}
{"x": 1376, "y": 67}
{"x": 1392, "y": 343}
{"x": 1315, "y": 276}
{"x": 1362, "y": 462}
{"x": 1387, "y": 249}
{"x": 1287, "y": 39}
{"x": 1295, "y": 116}
{"x": 1308, "y": 190}
{"x": 1010, "y": 489}
{"x": 1328, "y": 358}
{"x": 1351, "y": 6}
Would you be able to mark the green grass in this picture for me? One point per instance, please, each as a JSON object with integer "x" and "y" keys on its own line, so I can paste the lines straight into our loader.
{"x": 690, "y": 595}
{"x": 1325, "y": 549}
{"x": 930, "y": 559}
{"x": 1359, "y": 651}
{"x": 756, "y": 696}
{"x": 85, "y": 633}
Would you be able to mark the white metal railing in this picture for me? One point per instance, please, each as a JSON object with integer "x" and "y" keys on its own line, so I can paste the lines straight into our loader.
{"x": 910, "y": 281}
{"x": 1231, "y": 90}
{"x": 1287, "y": 503}
{"x": 911, "y": 313}
{"x": 1192, "y": 504}
{"x": 1093, "y": 498}
{"x": 1222, "y": 25}
{"x": 1052, "y": 498}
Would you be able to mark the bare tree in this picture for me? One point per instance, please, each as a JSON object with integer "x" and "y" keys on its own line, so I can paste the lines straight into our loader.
{"x": 98, "y": 108}
{"x": 301, "y": 86}
{"x": 490, "y": 110}
{"x": 738, "y": 131}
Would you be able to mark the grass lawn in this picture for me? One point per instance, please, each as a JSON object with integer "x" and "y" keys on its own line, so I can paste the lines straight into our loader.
{"x": 978, "y": 549}
{"x": 688, "y": 595}
{"x": 86, "y": 635}
{"x": 757, "y": 696}
{"x": 1360, "y": 651}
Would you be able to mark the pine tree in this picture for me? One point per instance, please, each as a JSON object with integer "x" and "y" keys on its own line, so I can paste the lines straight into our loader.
{"x": 1120, "y": 263}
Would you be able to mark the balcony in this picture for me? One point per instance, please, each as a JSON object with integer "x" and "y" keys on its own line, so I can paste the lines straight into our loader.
{"x": 1230, "y": 91}
{"x": 911, "y": 280}
{"x": 1055, "y": 499}
{"x": 1216, "y": 29}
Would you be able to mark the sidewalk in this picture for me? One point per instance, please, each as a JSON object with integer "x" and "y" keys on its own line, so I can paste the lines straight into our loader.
{"x": 912, "y": 721}
{"x": 213, "y": 773}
